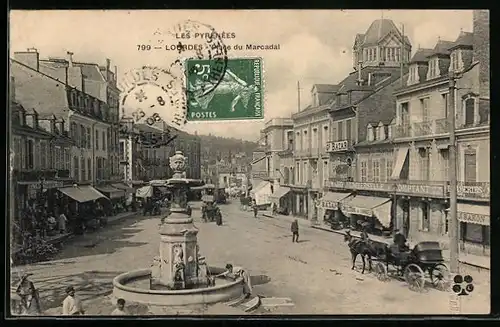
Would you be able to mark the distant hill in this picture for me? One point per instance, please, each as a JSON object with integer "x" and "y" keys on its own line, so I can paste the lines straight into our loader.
{"x": 215, "y": 148}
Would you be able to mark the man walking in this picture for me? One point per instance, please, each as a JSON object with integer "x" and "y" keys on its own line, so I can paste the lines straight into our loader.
{"x": 295, "y": 231}
{"x": 255, "y": 209}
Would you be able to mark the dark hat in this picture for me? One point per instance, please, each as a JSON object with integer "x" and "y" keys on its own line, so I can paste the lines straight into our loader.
{"x": 70, "y": 289}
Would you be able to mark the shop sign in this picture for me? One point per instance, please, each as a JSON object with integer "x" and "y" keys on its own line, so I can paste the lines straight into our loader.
{"x": 328, "y": 205}
{"x": 259, "y": 174}
{"x": 383, "y": 187}
{"x": 420, "y": 189}
{"x": 357, "y": 211}
{"x": 472, "y": 190}
{"x": 336, "y": 146}
{"x": 473, "y": 218}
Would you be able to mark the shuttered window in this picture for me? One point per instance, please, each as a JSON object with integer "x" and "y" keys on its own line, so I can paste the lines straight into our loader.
{"x": 341, "y": 131}
{"x": 470, "y": 167}
{"x": 364, "y": 171}
{"x": 370, "y": 170}
{"x": 89, "y": 168}
{"x": 383, "y": 170}
{"x": 76, "y": 168}
{"x": 334, "y": 133}
{"x": 348, "y": 129}
{"x": 82, "y": 169}
{"x": 470, "y": 105}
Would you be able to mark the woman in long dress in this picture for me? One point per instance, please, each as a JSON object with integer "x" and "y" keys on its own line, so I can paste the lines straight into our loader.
{"x": 30, "y": 301}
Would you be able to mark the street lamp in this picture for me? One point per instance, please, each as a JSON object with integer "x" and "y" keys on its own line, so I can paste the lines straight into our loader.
{"x": 454, "y": 225}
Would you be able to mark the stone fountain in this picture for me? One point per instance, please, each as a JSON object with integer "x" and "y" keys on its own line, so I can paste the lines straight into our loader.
{"x": 179, "y": 275}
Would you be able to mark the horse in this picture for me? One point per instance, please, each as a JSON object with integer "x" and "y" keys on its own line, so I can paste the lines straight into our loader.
{"x": 359, "y": 247}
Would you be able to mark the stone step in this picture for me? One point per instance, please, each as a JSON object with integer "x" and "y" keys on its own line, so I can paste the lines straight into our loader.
{"x": 251, "y": 305}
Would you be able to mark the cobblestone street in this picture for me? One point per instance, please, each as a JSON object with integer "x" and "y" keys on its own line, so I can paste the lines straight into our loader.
{"x": 315, "y": 273}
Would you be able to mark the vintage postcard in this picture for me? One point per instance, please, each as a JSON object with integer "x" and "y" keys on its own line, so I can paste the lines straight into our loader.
{"x": 249, "y": 162}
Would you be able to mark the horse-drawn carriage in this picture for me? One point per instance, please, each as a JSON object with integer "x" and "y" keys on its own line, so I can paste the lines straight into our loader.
{"x": 424, "y": 261}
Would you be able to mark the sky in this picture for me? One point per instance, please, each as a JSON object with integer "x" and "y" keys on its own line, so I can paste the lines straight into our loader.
{"x": 315, "y": 45}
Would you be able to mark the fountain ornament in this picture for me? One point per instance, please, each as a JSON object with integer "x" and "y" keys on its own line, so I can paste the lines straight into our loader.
{"x": 179, "y": 275}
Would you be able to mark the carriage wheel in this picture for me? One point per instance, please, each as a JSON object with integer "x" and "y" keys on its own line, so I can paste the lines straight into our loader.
{"x": 415, "y": 277}
{"x": 381, "y": 272}
{"x": 440, "y": 276}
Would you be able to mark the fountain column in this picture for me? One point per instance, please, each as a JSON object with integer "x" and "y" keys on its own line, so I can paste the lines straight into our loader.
{"x": 177, "y": 265}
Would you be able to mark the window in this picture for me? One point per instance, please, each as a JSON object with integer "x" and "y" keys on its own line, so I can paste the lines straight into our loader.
{"x": 445, "y": 164}
{"x": 398, "y": 55}
{"x": 348, "y": 129}
{"x": 76, "y": 168}
{"x": 314, "y": 138}
{"x": 297, "y": 169}
{"x": 455, "y": 60}
{"x": 122, "y": 151}
{"x": 340, "y": 130}
{"x": 326, "y": 174}
{"x": 424, "y": 164}
{"x": 83, "y": 137}
{"x": 424, "y": 216}
{"x": 82, "y": 169}
{"x": 424, "y": 106}
{"x": 57, "y": 158}
{"x": 388, "y": 172}
{"x": 89, "y": 140}
{"x": 30, "y": 155}
{"x": 326, "y": 136}
{"x": 97, "y": 140}
{"x": 444, "y": 99}
{"x": 389, "y": 131}
{"x": 89, "y": 168}
{"x": 470, "y": 166}
{"x": 43, "y": 155}
{"x": 305, "y": 141}
{"x": 104, "y": 140}
{"x": 108, "y": 140}
{"x": 364, "y": 171}
{"x": 67, "y": 159}
{"x": 376, "y": 171}
{"x": 469, "y": 108}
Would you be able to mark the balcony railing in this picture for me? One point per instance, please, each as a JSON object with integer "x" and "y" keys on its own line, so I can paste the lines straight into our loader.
{"x": 432, "y": 127}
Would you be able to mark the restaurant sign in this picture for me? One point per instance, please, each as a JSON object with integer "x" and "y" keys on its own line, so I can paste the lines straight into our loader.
{"x": 473, "y": 218}
{"x": 336, "y": 146}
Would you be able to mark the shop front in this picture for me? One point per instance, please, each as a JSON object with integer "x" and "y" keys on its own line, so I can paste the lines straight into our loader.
{"x": 281, "y": 198}
{"x": 474, "y": 228}
{"x": 329, "y": 211}
{"x": 373, "y": 213}
{"x": 261, "y": 194}
{"x": 299, "y": 201}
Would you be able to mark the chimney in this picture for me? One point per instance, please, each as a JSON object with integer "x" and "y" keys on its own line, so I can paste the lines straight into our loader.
{"x": 116, "y": 72}
{"x": 29, "y": 58}
{"x": 70, "y": 58}
{"x": 108, "y": 64}
{"x": 12, "y": 89}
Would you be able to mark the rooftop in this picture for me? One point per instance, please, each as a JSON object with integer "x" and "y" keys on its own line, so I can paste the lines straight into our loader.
{"x": 421, "y": 55}
{"x": 465, "y": 39}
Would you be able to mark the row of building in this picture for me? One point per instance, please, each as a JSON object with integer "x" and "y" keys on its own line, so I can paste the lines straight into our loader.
{"x": 377, "y": 142}
{"x": 66, "y": 125}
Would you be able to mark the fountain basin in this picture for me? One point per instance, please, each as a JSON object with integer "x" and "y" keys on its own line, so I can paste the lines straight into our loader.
{"x": 137, "y": 291}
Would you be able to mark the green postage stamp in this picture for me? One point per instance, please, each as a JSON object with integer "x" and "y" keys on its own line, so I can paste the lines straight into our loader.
{"x": 238, "y": 95}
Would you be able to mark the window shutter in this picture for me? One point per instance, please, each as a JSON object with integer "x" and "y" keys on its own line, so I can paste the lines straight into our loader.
{"x": 334, "y": 132}
{"x": 370, "y": 170}
{"x": 382, "y": 169}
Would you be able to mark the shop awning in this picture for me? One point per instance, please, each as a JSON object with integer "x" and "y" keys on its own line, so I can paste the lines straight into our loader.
{"x": 82, "y": 193}
{"x": 278, "y": 194}
{"x": 144, "y": 192}
{"x": 400, "y": 160}
{"x": 473, "y": 214}
{"x": 113, "y": 192}
{"x": 262, "y": 194}
{"x": 259, "y": 186}
{"x": 369, "y": 206}
{"x": 158, "y": 182}
{"x": 163, "y": 189}
{"x": 124, "y": 187}
{"x": 330, "y": 200}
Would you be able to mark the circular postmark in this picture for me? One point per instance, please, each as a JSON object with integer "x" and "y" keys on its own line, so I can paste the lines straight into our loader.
{"x": 152, "y": 95}
{"x": 207, "y": 61}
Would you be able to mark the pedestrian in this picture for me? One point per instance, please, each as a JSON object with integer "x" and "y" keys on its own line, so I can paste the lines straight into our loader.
{"x": 295, "y": 231}
{"x": 72, "y": 306}
{"x": 63, "y": 220}
{"x": 255, "y": 208}
{"x": 30, "y": 301}
{"x": 120, "y": 309}
{"x": 235, "y": 272}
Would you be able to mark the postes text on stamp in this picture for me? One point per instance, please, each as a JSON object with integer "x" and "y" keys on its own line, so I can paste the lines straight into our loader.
{"x": 238, "y": 96}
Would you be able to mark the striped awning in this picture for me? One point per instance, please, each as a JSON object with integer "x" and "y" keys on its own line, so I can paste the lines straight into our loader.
{"x": 330, "y": 200}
